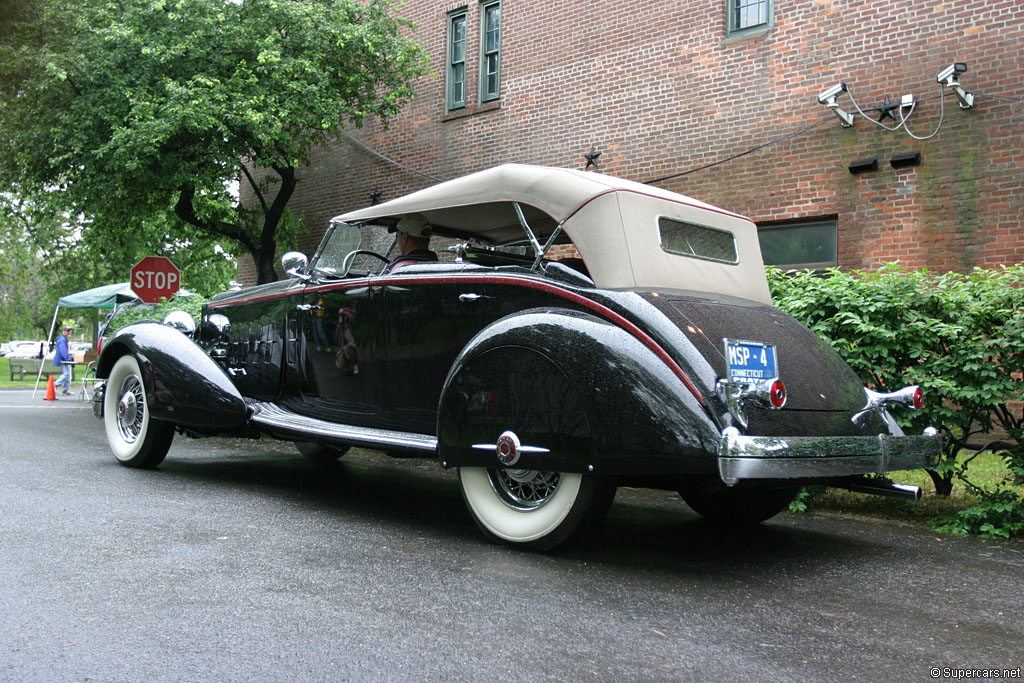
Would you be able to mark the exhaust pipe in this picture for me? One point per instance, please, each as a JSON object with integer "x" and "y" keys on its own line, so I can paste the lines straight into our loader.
{"x": 880, "y": 487}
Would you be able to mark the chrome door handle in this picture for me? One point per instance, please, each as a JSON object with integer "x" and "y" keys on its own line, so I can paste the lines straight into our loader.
{"x": 469, "y": 297}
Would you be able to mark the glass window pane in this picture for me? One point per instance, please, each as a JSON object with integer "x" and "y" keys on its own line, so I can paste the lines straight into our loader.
{"x": 459, "y": 39}
{"x": 457, "y": 61}
{"x": 801, "y": 245}
{"x": 697, "y": 241}
{"x": 747, "y": 13}
{"x": 459, "y": 83}
{"x": 490, "y": 63}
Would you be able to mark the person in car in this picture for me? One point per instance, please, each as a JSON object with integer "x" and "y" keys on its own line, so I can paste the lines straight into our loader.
{"x": 413, "y": 242}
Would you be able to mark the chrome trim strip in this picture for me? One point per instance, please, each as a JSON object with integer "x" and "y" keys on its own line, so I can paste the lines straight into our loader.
{"x": 522, "y": 449}
{"x": 798, "y": 457}
{"x": 282, "y": 420}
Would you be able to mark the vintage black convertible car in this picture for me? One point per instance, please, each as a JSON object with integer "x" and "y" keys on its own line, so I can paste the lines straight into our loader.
{"x": 653, "y": 358}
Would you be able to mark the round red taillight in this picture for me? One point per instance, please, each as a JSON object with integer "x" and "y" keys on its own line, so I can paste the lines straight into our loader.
{"x": 777, "y": 394}
{"x": 918, "y": 398}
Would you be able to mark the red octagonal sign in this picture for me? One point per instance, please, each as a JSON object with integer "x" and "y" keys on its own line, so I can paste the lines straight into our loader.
{"x": 155, "y": 278}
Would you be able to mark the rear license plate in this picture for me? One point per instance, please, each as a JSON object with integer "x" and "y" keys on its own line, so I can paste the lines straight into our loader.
{"x": 749, "y": 362}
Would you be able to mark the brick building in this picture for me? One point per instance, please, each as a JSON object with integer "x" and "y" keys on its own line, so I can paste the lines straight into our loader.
{"x": 722, "y": 101}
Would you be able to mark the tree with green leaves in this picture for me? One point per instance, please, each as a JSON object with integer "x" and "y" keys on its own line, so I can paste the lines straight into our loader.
{"x": 46, "y": 254}
{"x": 135, "y": 109}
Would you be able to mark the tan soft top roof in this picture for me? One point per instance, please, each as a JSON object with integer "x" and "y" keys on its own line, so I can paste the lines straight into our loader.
{"x": 480, "y": 204}
{"x": 613, "y": 223}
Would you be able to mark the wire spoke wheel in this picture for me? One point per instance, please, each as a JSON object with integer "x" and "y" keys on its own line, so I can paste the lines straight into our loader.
{"x": 131, "y": 408}
{"x": 524, "y": 489}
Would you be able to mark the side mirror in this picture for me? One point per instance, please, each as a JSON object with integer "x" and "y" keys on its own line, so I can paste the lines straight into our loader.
{"x": 294, "y": 264}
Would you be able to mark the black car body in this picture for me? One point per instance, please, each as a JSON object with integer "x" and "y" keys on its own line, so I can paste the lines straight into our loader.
{"x": 654, "y": 359}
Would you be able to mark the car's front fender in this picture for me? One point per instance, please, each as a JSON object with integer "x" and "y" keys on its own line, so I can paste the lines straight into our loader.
{"x": 582, "y": 395}
{"x": 183, "y": 384}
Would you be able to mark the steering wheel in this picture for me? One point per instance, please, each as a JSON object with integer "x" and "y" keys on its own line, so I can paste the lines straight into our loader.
{"x": 350, "y": 257}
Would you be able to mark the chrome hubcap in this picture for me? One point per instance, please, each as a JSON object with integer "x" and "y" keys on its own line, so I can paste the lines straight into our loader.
{"x": 524, "y": 489}
{"x": 130, "y": 409}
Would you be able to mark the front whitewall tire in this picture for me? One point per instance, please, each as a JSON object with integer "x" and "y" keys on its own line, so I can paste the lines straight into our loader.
{"x": 134, "y": 438}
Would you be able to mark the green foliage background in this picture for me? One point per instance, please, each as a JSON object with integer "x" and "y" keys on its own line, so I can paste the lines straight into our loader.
{"x": 139, "y": 115}
{"x": 959, "y": 336}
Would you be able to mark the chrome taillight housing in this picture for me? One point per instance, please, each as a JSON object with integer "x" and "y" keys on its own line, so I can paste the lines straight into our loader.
{"x": 911, "y": 398}
{"x": 768, "y": 393}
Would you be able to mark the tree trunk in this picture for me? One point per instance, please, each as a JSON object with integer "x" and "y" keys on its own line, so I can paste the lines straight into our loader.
{"x": 265, "y": 264}
{"x": 943, "y": 483}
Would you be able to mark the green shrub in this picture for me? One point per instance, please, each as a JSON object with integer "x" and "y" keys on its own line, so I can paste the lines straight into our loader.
{"x": 960, "y": 337}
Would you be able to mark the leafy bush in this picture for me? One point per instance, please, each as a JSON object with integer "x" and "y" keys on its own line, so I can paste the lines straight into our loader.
{"x": 960, "y": 337}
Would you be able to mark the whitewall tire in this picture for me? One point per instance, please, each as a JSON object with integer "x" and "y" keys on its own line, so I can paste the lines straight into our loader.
{"x": 532, "y": 509}
{"x": 135, "y": 439}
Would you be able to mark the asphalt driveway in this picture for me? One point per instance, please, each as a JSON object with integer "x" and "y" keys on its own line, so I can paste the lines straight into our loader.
{"x": 240, "y": 561}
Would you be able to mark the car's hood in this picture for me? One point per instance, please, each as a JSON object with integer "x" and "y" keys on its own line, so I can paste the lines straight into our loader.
{"x": 815, "y": 376}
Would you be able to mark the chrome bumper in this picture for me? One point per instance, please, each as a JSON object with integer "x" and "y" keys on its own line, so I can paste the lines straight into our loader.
{"x": 814, "y": 457}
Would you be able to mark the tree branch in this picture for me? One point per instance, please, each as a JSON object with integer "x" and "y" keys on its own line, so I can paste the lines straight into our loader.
{"x": 255, "y": 188}
{"x": 185, "y": 210}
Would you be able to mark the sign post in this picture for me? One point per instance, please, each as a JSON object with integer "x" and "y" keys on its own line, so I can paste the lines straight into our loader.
{"x": 155, "y": 278}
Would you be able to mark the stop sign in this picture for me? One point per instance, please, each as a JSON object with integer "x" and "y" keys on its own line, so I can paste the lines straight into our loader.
{"x": 155, "y": 278}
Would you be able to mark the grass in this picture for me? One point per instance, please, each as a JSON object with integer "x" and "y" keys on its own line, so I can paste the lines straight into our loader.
{"x": 30, "y": 380}
{"x": 5, "y": 378}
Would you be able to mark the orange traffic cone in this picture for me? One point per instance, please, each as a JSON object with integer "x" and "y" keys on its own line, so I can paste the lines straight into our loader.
{"x": 51, "y": 395}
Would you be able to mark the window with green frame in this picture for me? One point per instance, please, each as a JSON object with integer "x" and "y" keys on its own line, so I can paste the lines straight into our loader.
{"x": 456, "y": 80}
{"x": 746, "y": 15}
{"x": 800, "y": 245}
{"x": 490, "y": 52}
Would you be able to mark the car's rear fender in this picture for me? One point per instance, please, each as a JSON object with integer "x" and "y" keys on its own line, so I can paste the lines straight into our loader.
{"x": 183, "y": 384}
{"x": 579, "y": 394}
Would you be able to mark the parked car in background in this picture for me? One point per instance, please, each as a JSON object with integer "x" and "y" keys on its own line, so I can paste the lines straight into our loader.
{"x": 653, "y": 358}
{"x": 4, "y": 349}
{"x": 27, "y": 349}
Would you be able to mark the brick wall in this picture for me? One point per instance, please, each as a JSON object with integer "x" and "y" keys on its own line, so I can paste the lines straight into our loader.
{"x": 659, "y": 89}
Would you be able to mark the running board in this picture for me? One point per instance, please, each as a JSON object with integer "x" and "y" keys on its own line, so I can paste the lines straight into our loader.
{"x": 282, "y": 422}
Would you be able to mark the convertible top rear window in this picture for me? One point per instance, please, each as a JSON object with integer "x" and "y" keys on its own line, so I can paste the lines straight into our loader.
{"x": 697, "y": 241}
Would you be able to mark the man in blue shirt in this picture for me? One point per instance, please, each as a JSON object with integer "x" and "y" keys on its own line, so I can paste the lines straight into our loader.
{"x": 60, "y": 359}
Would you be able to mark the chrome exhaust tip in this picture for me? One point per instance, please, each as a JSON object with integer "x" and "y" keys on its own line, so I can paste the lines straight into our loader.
{"x": 880, "y": 487}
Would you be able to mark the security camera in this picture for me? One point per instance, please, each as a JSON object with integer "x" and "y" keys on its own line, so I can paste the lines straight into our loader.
{"x": 950, "y": 78}
{"x": 832, "y": 93}
{"x": 830, "y": 98}
{"x": 950, "y": 73}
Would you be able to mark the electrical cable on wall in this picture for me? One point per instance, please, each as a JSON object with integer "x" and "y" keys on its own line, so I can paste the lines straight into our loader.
{"x": 788, "y": 136}
{"x": 905, "y": 116}
{"x": 374, "y": 152}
